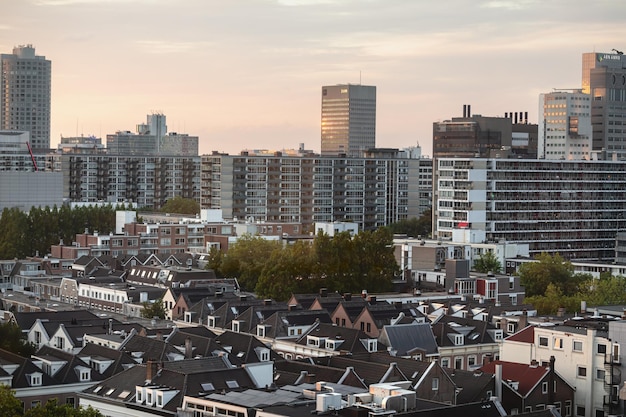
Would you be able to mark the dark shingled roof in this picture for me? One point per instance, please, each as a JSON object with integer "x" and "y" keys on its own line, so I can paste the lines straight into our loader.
{"x": 403, "y": 338}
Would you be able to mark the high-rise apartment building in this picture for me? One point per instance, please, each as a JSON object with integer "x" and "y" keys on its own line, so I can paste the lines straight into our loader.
{"x": 574, "y": 208}
{"x": 372, "y": 191}
{"x": 348, "y": 119}
{"x": 25, "y": 94}
{"x": 604, "y": 79}
{"x": 565, "y": 125}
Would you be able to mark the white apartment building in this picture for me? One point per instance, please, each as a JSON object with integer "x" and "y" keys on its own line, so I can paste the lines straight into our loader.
{"x": 574, "y": 208}
{"x": 565, "y": 125}
{"x": 584, "y": 357}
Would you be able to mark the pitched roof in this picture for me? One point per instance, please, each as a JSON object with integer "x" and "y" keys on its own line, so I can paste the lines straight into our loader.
{"x": 528, "y": 376}
{"x": 403, "y": 338}
{"x": 526, "y": 335}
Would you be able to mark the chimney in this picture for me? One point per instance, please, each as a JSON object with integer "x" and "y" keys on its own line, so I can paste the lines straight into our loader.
{"x": 523, "y": 320}
{"x": 499, "y": 381}
{"x": 110, "y": 326}
{"x": 515, "y": 114}
{"x": 347, "y": 296}
{"x": 551, "y": 381}
{"x": 323, "y": 292}
{"x": 526, "y": 118}
{"x": 151, "y": 370}
{"x": 372, "y": 299}
{"x": 469, "y": 111}
{"x": 188, "y": 348}
{"x": 464, "y": 110}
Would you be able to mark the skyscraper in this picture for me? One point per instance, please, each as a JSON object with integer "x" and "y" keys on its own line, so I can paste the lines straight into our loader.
{"x": 25, "y": 94}
{"x": 604, "y": 78}
{"x": 348, "y": 119}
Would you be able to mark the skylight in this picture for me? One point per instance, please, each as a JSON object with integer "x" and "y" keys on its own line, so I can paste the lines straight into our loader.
{"x": 232, "y": 384}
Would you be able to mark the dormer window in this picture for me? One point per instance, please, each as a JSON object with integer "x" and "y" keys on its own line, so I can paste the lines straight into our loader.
{"x": 211, "y": 320}
{"x": 139, "y": 395}
{"x": 236, "y": 326}
{"x": 34, "y": 379}
{"x": 458, "y": 339}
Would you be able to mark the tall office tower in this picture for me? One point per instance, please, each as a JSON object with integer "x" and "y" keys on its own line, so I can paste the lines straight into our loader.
{"x": 348, "y": 119}
{"x": 25, "y": 94}
{"x": 565, "y": 125}
{"x": 604, "y": 78}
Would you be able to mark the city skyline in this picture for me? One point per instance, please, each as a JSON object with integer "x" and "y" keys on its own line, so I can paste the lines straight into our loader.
{"x": 247, "y": 74}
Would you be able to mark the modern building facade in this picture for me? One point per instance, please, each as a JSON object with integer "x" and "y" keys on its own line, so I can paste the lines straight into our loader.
{"x": 348, "y": 119}
{"x": 372, "y": 191}
{"x": 565, "y": 125}
{"x": 25, "y": 91}
{"x": 604, "y": 79}
{"x": 574, "y": 208}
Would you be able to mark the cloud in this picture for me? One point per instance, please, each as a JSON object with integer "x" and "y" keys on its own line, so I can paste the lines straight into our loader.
{"x": 509, "y": 4}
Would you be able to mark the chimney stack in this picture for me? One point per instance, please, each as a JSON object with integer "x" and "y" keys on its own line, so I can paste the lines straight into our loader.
{"x": 151, "y": 370}
{"x": 188, "y": 348}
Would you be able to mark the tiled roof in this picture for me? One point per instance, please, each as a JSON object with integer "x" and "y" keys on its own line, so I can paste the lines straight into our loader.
{"x": 526, "y": 335}
{"x": 528, "y": 376}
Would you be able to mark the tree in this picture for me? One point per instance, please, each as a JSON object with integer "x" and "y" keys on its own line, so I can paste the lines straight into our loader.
{"x": 606, "y": 290}
{"x": 181, "y": 205}
{"x": 152, "y": 310}
{"x": 12, "y": 339}
{"x": 246, "y": 259}
{"x": 414, "y": 226}
{"x": 536, "y": 276}
{"x": 487, "y": 262}
{"x": 11, "y": 406}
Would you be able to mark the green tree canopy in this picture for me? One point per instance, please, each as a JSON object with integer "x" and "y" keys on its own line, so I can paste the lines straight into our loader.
{"x": 13, "y": 340}
{"x": 246, "y": 259}
{"x": 181, "y": 205}
{"x": 155, "y": 309}
{"x": 11, "y": 406}
{"x": 549, "y": 269}
{"x": 487, "y": 262}
{"x": 414, "y": 226}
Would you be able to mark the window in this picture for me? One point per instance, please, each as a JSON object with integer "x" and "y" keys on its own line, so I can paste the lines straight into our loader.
{"x": 544, "y": 387}
{"x": 510, "y": 327}
{"x": 600, "y": 373}
{"x": 458, "y": 363}
{"x": 580, "y": 410}
{"x": 540, "y": 407}
{"x": 577, "y": 346}
{"x": 558, "y": 343}
{"x": 71, "y": 401}
{"x": 582, "y": 372}
{"x": 368, "y": 327}
{"x": 602, "y": 349}
{"x": 445, "y": 362}
{"x": 471, "y": 361}
{"x": 139, "y": 395}
{"x": 543, "y": 341}
{"x": 435, "y": 384}
{"x": 568, "y": 408}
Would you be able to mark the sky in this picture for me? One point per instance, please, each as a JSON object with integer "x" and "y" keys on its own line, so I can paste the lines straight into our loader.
{"x": 247, "y": 74}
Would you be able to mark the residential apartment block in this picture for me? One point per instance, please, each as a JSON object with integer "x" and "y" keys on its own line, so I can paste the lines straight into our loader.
{"x": 145, "y": 180}
{"x": 25, "y": 91}
{"x": 574, "y": 208}
{"x": 373, "y": 191}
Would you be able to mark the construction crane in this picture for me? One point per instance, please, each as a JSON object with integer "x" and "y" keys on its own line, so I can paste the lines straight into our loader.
{"x": 32, "y": 157}
{"x": 617, "y": 52}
